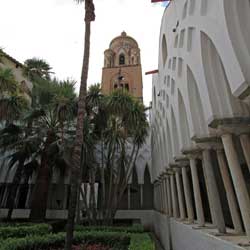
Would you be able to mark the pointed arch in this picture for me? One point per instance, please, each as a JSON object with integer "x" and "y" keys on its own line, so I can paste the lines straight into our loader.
{"x": 185, "y": 132}
{"x": 196, "y": 107}
{"x": 224, "y": 104}
{"x": 237, "y": 17}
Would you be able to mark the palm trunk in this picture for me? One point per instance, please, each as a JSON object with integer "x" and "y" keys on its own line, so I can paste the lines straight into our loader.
{"x": 76, "y": 158}
{"x": 14, "y": 187}
{"x": 41, "y": 189}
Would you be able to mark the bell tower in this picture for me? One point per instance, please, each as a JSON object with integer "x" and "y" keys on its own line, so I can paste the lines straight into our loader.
{"x": 122, "y": 66}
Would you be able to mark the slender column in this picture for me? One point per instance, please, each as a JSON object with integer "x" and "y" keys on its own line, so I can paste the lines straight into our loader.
{"x": 156, "y": 197}
{"x": 27, "y": 202}
{"x": 229, "y": 191}
{"x": 160, "y": 200}
{"x": 213, "y": 192}
{"x": 245, "y": 144}
{"x": 165, "y": 195}
{"x": 238, "y": 180}
{"x": 17, "y": 196}
{"x": 141, "y": 195}
{"x": 197, "y": 193}
{"x": 159, "y": 197}
{"x": 180, "y": 195}
{"x": 129, "y": 195}
{"x": 188, "y": 196}
{"x": 66, "y": 192}
{"x": 174, "y": 196}
{"x": 162, "y": 196}
{"x": 170, "y": 209}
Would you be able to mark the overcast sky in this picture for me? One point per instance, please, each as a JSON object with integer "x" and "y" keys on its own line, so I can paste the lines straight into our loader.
{"x": 54, "y": 30}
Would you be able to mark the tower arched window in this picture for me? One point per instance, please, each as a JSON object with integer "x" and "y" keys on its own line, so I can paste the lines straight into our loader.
{"x": 121, "y": 59}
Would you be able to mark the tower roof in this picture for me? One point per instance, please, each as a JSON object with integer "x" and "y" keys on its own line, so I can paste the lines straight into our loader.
{"x": 123, "y": 37}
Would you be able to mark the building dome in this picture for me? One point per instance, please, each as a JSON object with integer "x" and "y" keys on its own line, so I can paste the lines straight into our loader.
{"x": 128, "y": 41}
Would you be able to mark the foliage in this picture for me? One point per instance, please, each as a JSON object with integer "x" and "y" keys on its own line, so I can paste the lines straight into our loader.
{"x": 36, "y": 68}
{"x": 116, "y": 240}
{"x": 133, "y": 229}
{"x": 118, "y": 130}
{"x": 38, "y": 137}
{"x": 141, "y": 242}
{"x": 1, "y": 55}
{"x": 8, "y": 82}
{"x": 12, "y": 106}
{"x": 56, "y": 240}
{"x": 23, "y": 231}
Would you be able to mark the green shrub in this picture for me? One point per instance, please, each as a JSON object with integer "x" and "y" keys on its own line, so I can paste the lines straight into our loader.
{"x": 141, "y": 242}
{"x": 133, "y": 229}
{"x": 113, "y": 239}
{"x": 116, "y": 240}
{"x": 23, "y": 231}
{"x": 17, "y": 224}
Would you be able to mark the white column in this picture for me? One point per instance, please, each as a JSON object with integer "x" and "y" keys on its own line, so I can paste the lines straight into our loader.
{"x": 28, "y": 197}
{"x": 180, "y": 195}
{"x": 238, "y": 180}
{"x": 188, "y": 196}
{"x": 170, "y": 209}
{"x": 165, "y": 195}
{"x": 197, "y": 193}
{"x": 213, "y": 192}
{"x": 245, "y": 144}
{"x": 129, "y": 196}
{"x": 232, "y": 202}
{"x": 174, "y": 196}
{"x": 162, "y": 196}
{"x": 65, "y": 198}
{"x": 141, "y": 195}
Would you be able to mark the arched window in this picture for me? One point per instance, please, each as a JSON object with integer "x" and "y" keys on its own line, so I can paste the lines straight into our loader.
{"x": 121, "y": 59}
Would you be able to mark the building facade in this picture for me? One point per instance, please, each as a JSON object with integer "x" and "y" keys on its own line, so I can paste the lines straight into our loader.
{"x": 200, "y": 121}
{"x": 122, "y": 66}
{"x": 8, "y": 62}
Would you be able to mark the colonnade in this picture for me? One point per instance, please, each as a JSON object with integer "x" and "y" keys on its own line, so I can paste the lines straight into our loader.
{"x": 178, "y": 194}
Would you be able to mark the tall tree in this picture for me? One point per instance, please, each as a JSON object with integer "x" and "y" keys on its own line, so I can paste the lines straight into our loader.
{"x": 52, "y": 123}
{"x": 76, "y": 157}
{"x": 8, "y": 82}
{"x": 37, "y": 68}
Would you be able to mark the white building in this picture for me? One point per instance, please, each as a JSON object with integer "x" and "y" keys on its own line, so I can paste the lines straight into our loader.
{"x": 200, "y": 125}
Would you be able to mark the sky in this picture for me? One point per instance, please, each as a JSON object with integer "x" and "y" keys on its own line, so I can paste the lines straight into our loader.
{"x": 54, "y": 30}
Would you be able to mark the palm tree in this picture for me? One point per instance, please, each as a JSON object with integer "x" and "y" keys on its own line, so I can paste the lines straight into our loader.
{"x": 8, "y": 82}
{"x": 1, "y": 55}
{"x": 52, "y": 122}
{"x": 76, "y": 157}
{"x": 11, "y": 107}
{"x": 119, "y": 128}
{"x": 21, "y": 150}
{"x": 37, "y": 68}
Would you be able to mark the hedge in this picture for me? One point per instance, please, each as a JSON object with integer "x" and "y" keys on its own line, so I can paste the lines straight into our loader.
{"x": 141, "y": 242}
{"x": 133, "y": 229}
{"x": 116, "y": 240}
{"x": 23, "y": 231}
{"x": 17, "y": 224}
{"x": 113, "y": 239}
